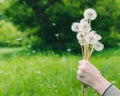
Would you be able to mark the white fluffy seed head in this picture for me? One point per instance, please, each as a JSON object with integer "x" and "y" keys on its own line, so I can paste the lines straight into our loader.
{"x": 98, "y": 46}
{"x": 75, "y": 27}
{"x": 90, "y": 14}
{"x": 82, "y": 41}
{"x": 98, "y": 36}
{"x": 91, "y": 38}
{"x": 83, "y": 20}
{"x": 84, "y": 27}
{"x": 79, "y": 36}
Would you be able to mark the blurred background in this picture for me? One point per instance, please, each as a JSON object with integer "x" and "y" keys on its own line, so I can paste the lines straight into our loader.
{"x": 46, "y": 24}
{"x": 33, "y": 32}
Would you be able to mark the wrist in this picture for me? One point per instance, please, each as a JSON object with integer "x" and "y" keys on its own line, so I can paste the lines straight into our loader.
{"x": 101, "y": 85}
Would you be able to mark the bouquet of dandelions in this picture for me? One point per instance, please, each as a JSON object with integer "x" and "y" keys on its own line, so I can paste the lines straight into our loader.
{"x": 87, "y": 38}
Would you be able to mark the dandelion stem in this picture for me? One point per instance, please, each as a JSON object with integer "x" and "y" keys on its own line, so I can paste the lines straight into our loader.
{"x": 84, "y": 90}
{"x": 86, "y": 53}
{"x": 91, "y": 51}
{"x": 82, "y": 49}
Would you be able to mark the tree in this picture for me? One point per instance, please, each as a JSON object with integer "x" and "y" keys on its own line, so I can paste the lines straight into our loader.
{"x": 48, "y": 22}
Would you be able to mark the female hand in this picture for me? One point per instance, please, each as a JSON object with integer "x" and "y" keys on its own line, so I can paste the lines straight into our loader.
{"x": 89, "y": 75}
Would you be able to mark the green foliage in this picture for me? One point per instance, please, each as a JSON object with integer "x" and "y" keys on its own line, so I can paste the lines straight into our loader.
{"x": 56, "y": 16}
{"x": 9, "y": 35}
{"x": 50, "y": 74}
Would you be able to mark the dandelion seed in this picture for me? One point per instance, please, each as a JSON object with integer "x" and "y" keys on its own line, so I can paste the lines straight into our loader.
{"x": 82, "y": 42}
{"x": 69, "y": 49}
{"x": 90, "y": 14}
{"x": 98, "y": 46}
{"x": 98, "y": 37}
{"x": 84, "y": 27}
{"x": 53, "y": 24}
{"x": 93, "y": 32}
{"x": 84, "y": 20}
{"x": 79, "y": 36}
{"x": 19, "y": 39}
{"x": 34, "y": 51}
{"x": 57, "y": 35}
{"x": 75, "y": 27}
{"x": 8, "y": 41}
{"x": 91, "y": 38}
{"x": 29, "y": 46}
{"x": 28, "y": 54}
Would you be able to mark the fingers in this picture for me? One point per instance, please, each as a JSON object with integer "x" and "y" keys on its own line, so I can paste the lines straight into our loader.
{"x": 83, "y": 62}
{"x": 82, "y": 69}
{"x": 80, "y": 73}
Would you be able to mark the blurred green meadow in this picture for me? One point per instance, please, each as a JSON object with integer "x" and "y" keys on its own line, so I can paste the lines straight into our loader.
{"x": 29, "y": 25}
{"x": 25, "y": 72}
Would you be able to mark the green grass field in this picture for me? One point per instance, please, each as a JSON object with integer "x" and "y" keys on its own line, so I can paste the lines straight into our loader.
{"x": 28, "y": 73}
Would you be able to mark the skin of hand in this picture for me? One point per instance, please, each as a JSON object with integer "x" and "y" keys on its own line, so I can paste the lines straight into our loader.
{"x": 89, "y": 75}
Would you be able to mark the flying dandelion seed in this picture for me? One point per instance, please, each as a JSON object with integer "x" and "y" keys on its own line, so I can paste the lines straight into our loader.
{"x": 57, "y": 35}
{"x": 19, "y": 39}
{"x": 29, "y": 46}
{"x": 28, "y": 54}
{"x": 53, "y": 24}
{"x": 34, "y": 51}
{"x": 69, "y": 49}
{"x": 8, "y": 41}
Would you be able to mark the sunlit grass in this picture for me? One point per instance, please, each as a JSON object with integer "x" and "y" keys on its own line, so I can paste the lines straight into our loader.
{"x": 26, "y": 73}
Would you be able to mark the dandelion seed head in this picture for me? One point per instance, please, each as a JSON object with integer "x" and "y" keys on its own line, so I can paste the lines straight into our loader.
{"x": 82, "y": 42}
{"x": 90, "y": 14}
{"x": 91, "y": 38}
{"x": 84, "y": 27}
{"x": 79, "y": 35}
{"x": 83, "y": 20}
{"x": 98, "y": 46}
{"x": 75, "y": 27}
{"x": 98, "y": 36}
